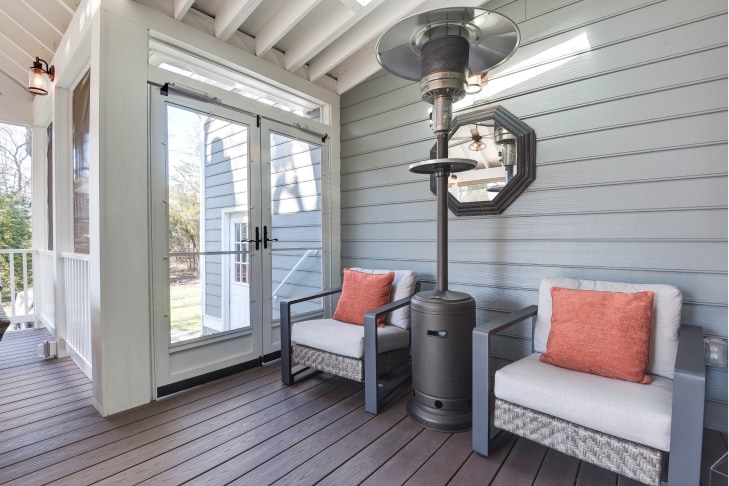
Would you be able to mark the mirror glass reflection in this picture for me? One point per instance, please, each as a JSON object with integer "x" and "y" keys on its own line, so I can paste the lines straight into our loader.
{"x": 504, "y": 149}
{"x": 494, "y": 150}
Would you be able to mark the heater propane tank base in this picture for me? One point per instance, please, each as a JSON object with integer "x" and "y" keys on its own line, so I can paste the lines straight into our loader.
{"x": 442, "y": 323}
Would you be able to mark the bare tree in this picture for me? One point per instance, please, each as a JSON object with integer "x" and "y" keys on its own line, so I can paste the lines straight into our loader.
{"x": 15, "y": 156}
{"x": 15, "y": 170}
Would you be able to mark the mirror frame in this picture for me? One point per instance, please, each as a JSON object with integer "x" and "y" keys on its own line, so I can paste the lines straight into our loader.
{"x": 526, "y": 160}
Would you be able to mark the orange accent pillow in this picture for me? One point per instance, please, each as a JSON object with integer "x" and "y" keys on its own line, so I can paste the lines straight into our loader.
{"x": 604, "y": 333}
{"x": 362, "y": 292}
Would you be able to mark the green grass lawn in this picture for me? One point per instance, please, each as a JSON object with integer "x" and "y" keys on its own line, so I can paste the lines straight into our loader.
{"x": 185, "y": 307}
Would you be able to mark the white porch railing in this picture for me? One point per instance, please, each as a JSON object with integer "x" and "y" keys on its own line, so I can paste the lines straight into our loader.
{"x": 75, "y": 269}
{"x": 51, "y": 289}
{"x": 17, "y": 300}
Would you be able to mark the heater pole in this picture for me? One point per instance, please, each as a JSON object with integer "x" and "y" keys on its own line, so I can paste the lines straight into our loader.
{"x": 441, "y": 178}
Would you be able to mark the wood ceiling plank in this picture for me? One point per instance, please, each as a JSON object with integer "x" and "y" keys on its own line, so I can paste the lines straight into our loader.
{"x": 326, "y": 31}
{"x": 25, "y": 17}
{"x": 53, "y": 14}
{"x": 181, "y": 7}
{"x": 23, "y": 40}
{"x": 231, "y": 15}
{"x": 318, "y": 37}
{"x": 355, "y": 38}
{"x": 69, "y": 6}
{"x": 282, "y": 23}
{"x": 11, "y": 69}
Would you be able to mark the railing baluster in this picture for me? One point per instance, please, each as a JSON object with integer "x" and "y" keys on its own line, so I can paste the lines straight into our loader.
{"x": 11, "y": 266}
{"x": 78, "y": 304}
{"x": 25, "y": 283}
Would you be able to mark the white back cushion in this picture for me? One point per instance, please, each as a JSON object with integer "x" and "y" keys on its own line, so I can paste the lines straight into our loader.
{"x": 402, "y": 286}
{"x": 666, "y": 317}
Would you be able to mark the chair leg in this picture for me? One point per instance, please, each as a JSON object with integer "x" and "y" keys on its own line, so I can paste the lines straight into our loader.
{"x": 287, "y": 376}
{"x": 372, "y": 399}
{"x": 687, "y": 424}
{"x": 481, "y": 377}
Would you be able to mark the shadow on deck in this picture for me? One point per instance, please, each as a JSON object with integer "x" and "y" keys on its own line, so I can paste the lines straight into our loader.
{"x": 249, "y": 429}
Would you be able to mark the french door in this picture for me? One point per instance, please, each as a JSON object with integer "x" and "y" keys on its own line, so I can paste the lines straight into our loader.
{"x": 237, "y": 226}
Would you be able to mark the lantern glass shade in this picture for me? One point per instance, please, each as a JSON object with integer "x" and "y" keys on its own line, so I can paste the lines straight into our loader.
{"x": 37, "y": 81}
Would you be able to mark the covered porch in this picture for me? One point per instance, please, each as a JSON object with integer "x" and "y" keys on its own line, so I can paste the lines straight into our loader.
{"x": 628, "y": 100}
{"x": 250, "y": 429}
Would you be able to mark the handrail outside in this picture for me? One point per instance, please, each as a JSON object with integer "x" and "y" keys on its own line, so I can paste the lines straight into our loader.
{"x": 307, "y": 254}
{"x": 28, "y": 310}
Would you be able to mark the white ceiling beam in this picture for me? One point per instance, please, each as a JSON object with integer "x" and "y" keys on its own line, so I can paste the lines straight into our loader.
{"x": 231, "y": 15}
{"x": 181, "y": 7}
{"x": 362, "y": 33}
{"x": 24, "y": 17}
{"x": 328, "y": 29}
{"x": 282, "y": 23}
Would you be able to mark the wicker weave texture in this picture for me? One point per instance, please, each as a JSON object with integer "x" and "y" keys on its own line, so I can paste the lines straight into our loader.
{"x": 629, "y": 459}
{"x": 345, "y": 366}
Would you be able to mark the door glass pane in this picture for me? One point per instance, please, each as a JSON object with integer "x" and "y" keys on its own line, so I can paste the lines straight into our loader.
{"x": 184, "y": 132}
{"x": 296, "y": 222}
{"x": 207, "y": 176}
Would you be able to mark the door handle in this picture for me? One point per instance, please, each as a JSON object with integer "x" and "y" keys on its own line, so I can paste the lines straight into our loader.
{"x": 257, "y": 241}
{"x": 266, "y": 239}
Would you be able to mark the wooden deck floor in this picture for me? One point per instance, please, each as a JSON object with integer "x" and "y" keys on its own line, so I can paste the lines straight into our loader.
{"x": 248, "y": 429}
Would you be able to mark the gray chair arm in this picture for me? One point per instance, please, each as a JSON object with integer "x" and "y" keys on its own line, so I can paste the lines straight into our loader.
{"x": 285, "y": 314}
{"x": 482, "y": 371}
{"x": 372, "y": 402}
{"x": 687, "y": 415}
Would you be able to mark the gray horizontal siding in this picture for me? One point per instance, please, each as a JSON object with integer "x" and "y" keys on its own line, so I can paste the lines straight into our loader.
{"x": 629, "y": 103}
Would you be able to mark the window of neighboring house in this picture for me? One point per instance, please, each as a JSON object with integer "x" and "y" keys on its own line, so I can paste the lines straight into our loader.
{"x": 81, "y": 100}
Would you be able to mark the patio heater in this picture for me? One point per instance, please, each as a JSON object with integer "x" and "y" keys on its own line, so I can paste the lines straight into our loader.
{"x": 441, "y": 48}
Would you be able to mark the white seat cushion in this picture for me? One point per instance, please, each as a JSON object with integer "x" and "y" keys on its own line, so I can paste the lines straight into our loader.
{"x": 666, "y": 317}
{"x": 344, "y": 338}
{"x": 403, "y": 285}
{"x": 631, "y": 411}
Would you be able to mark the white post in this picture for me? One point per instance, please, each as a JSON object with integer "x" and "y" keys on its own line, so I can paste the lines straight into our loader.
{"x": 62, "y": 205}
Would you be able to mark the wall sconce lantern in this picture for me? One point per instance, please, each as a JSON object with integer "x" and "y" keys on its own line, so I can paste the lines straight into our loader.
{"x": 36, "y": 81}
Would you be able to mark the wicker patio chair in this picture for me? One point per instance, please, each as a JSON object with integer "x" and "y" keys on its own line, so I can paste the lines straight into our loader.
{"x": 377, "y": 356}
{"x": 4, "y": 321}
{"x": 625, "y": 427}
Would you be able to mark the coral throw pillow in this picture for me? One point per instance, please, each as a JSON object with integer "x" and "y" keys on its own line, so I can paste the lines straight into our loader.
{"x": 362, "y": 292}
{"x": 604, "y": 333}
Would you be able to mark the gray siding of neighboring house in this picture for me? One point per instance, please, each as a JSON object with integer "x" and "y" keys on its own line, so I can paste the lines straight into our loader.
{"x": 226, "y": 186}
{"x": 631, "y": 166}
{"x": 295, "y": 211}
{"x": 296, "y": 217}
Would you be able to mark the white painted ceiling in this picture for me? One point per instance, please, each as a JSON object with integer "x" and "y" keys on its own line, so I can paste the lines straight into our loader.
{"x": 330, "y": 42}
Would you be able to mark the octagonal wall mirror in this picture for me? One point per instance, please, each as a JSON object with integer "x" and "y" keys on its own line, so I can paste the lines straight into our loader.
{"x": 504, "y": 148}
